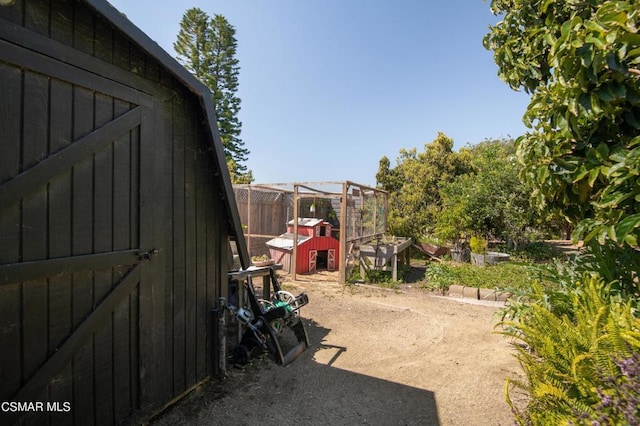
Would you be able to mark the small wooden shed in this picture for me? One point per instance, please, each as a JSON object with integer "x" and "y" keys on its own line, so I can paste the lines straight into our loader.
{"x": 317, "y": 248}
{"x": 116, "y": 215}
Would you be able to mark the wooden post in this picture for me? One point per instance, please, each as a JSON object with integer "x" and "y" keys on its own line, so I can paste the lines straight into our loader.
{"x": 295, "y": 232}
{"x": 249, "y": 219}
{"x": 394, "y": 266}
{"x": 343, "y": 234}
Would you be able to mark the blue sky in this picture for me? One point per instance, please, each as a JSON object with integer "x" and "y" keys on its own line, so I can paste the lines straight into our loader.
{"x": 329, "y": 87}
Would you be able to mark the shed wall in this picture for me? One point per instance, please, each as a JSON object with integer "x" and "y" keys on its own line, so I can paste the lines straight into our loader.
{"x": 84, "y": 316}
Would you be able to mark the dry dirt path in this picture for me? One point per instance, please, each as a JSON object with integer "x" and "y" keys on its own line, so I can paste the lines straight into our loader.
{"x": 378, "y": 357}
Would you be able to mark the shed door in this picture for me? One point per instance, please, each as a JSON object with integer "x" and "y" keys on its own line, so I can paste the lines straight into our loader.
{"x": 313, "y": 256}
{"x": 78, "y": 172}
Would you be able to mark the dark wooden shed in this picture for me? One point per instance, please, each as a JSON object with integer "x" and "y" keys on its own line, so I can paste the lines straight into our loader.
{"x": 116, "y": 214}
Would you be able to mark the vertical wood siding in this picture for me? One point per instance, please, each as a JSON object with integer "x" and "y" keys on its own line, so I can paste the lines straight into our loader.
{"x": 108, "y": 202}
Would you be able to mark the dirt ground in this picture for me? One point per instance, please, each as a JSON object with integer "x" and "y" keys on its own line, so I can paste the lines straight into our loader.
{"x": 377, "y": 357}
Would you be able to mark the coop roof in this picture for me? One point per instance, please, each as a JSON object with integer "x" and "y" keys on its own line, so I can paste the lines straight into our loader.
{"x": 192, "y": 84}
{"x": 307, "y": 221}
{"x": 285, "y": 241}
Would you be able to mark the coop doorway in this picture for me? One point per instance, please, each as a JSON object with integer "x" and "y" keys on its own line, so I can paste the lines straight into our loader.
{"x": 322, "y": 261}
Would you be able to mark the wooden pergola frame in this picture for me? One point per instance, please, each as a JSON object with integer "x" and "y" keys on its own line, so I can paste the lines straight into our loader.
{"x": 302, "y": 190}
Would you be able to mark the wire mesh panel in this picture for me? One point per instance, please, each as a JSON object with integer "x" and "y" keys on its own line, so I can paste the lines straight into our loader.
{"x": 357, "y": 213}
{"x": 264, "y": 214}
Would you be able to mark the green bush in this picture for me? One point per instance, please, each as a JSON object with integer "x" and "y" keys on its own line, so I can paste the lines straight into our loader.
{"x": 478, "y": 245}
{"x": 568, "y": 358}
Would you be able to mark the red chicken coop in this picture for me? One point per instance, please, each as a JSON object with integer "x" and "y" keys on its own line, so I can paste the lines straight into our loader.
{"x": 317, "y": 248}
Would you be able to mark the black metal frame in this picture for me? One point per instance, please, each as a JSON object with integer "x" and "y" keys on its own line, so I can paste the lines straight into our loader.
{"x": 268, "y": 319}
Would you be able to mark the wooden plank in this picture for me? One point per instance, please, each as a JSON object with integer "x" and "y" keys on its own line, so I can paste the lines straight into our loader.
{"x": 61, "y": 28}
{"x": 28, "y": 271}
{"x": 92, "y": 141}
{"x": 34, "y": 225}
{"x": 120, "y": 56}
{"x": 10, "y": 314}
{"x": 122, "y": 351}
{"x": 342, "y": 276}
{"x": 152, "y": 70}
{"x": 10, "y": 304}
{"x": 202, "y": 301}
{"x": 102, "y": 279}
{"x": 122, "y": 185}
{"x": 154, "y": 386}
{"x": 167, "y": 182}
{"x": 134, "y": 188}
{"x": 59, "y": 317}
{"x": 11, "y": 110}
{"x": 134, "y": 344}
{"x": 10, "y": 150}
{"x": 212, "y": 262}
{"x": 82, "y": 244}
{"x": 59, "y": 217}
{"x": 36, "y": 17}
{"x": 103, "y": 179}
{"x": 179, "y": 248}
{"x": 124, "y": 323}
{"x": 103, "y": 47}
{"x": 136, "y": 62}
{"x": 191, "y": 219}
{"x": 34, "y": 300}
{"x": 83, "y": 29}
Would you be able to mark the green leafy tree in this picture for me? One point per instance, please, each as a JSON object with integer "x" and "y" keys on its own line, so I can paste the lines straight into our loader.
{"x": 580, "y": 61}
{"x": 414, "y": 185}
{"x": 489, "y": 199}
{"x": 207, "y": 48}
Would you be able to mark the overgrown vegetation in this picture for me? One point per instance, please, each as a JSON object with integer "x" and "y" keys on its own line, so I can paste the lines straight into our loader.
{"x": 578, "y": 337}
{"x": 578, "y": 365}
{"x": 507, "y": 276}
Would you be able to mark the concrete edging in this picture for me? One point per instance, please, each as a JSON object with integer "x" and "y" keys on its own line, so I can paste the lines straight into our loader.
{"x": 477, "y": 293}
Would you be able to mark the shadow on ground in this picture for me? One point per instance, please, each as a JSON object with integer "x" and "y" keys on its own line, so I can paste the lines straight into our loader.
{"x": 306, "y": 392}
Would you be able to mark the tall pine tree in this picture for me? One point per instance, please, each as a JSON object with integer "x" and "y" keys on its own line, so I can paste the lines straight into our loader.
{"x": 207, "y": 48}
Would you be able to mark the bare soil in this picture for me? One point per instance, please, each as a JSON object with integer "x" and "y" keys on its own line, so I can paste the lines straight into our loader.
{"x": 377, "y": 357}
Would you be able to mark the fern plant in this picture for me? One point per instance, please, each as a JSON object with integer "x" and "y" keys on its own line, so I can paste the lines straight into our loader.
{"x": 565, "y": 357}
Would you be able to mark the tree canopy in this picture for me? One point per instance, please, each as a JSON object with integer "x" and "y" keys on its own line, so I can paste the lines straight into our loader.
{"x": 489, "y": 199}
{"x": 580, "y": 61}
{"x": 207, "y": 48}
{"x": 414, "y": 185}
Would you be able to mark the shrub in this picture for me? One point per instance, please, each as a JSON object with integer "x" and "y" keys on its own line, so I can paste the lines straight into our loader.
{"x": 568, "y": 358}
{"x": 478, "y": 245}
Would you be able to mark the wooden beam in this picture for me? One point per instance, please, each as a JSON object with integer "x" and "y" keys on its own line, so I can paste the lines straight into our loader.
{"x": 54, "y": 68}
{"x": 41, "y": 269}
{"x": 343, "y": 234}
{"x": 260, "y": 236}
{"x": 294, "y": 252}
{"x": 77, "y": 61}
{"x": 14, "y": 190}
